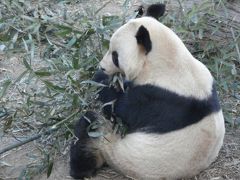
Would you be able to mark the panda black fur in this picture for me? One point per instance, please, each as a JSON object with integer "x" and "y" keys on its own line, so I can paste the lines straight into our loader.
{"x": 175, "y": 123}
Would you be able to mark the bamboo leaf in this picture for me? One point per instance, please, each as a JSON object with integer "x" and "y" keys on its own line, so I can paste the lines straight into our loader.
{"x": 49, "y": 170}
{"x": 72, "y": 42}
{"x": 75, "y": 62}
{"x": 25, "y": 45}
{"x": 95, "y": 134}
{"x": 5, "y": 87}
{"x": 53, "y": 87}
{"x": 75, "y": 102}
{"x": 26, "y": 64}
{"x": 15, "y": 37}
{"x": 20, "y": 76}
{"x": 28, "y": 18}
{"x": 93, "y": 83}
{"x": 42, "y": 73}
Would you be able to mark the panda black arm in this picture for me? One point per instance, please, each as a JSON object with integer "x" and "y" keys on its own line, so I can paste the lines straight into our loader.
{"x": 152, "y": 109}
{"x": 108, "y": 93}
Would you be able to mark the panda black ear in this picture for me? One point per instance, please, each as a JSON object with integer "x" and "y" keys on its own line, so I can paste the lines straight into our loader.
{"x": 143, "y": 38}
{"x": 156, "y": 10}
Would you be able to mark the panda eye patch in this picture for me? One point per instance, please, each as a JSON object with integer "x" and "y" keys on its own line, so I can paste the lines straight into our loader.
{"x": 115, "y": 58}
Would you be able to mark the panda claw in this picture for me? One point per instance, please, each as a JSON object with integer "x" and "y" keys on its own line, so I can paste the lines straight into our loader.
{"x": 82, "y": 175}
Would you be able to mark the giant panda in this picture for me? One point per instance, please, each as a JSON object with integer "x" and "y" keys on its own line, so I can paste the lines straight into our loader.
{"x": 175, "y": 125}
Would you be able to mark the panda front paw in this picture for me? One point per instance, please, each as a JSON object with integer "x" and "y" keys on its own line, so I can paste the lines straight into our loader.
{"x": 107, "y": 96}
{"x": 107, "y": 93}
{"x": 101, "y": 77}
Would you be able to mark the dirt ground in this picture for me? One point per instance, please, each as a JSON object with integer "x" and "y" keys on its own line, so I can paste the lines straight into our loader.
{"x": 226, "y": 166}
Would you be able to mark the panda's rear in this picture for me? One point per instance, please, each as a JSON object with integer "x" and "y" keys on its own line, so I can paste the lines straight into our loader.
{"x": 179, "y": 154}
{"x": 170, "y": 106}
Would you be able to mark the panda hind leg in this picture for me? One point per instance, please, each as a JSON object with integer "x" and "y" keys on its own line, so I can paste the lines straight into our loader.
{"x": 84, "y": 158}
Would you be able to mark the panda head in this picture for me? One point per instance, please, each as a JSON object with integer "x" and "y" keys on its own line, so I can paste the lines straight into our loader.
{"x": 128, "y": 50}
{"x": 134, "y": 44}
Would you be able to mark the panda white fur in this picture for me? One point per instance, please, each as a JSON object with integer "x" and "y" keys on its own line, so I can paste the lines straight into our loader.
{"x": 175, "y": 124}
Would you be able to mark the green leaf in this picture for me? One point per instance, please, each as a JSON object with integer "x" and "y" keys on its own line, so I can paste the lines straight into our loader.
{"x": 15, "y": 37}
{"x": 93, "y": 83}
{"x": 75, "y": 62}
{"x": 63, "y": 30}
{"x": 84, "y": 36}
{"x": 5, "y": 87}
{"x": 200, "y": 34}
{"x": 72, "y": 42}
{"x": 26, "y": 64}
{"x": 25, "y": 45}
{"x": 234, "y": 70}
{"x": 50, "y": 85}
{"x": 110, "y": 20}
{"x": 20, "y": 76}
{"x": 75, "y": 102}
{"x": 42, "y": 73}
{"x": 49, "y": 170}
{"x": 5, "y": 37}
{"x": 3, "y": 112}
{"x": 32, "y": 52}
{"x": 28, "y": 18}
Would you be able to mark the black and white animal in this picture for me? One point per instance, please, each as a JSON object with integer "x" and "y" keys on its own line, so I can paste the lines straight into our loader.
{"x": 175, "y": 123}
